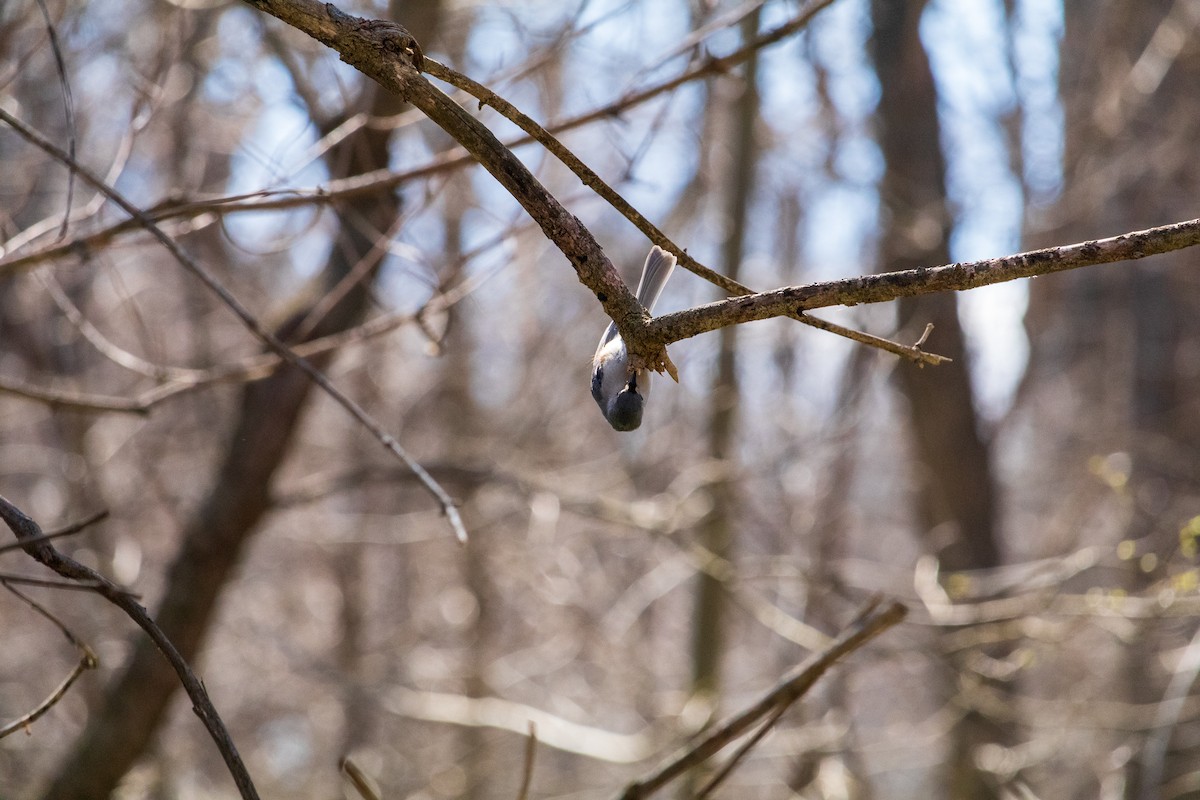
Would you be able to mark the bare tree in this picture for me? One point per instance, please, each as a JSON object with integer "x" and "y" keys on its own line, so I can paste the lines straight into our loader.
{"x": 429, "y": 220}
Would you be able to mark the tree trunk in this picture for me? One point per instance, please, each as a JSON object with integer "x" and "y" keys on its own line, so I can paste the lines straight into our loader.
{"x": 716, "y": 532}
{"x": 269, "y": 416}
{"x": 955, "y": 490}
{"x": 1112, "y": 369}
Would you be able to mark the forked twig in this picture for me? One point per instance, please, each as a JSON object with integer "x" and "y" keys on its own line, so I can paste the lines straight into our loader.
{"x": 748, "y": 745}
{"x": 30, "y": 535}
{"x": 870, "y": 623}
{"x": 486, "y": 96}
{"x": 87, "y": 660}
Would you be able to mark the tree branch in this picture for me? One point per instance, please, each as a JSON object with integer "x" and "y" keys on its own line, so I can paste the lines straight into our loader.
{"x": 87, "y": 660}
{"x": 449, "y": 508}
{"x": 29, "y": 534}
{"x": 486, "y": 96}
{"x": 882, "y": 287}
{"x": 386, "y": 53}
{"x": 869, "y": 624}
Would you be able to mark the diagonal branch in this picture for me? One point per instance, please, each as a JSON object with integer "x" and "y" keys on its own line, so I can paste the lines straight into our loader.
{"x": 653, "y": 233}
{"x": 248, "y": 320}
{"x": 870, "y": 623}
{"x": 386, "y": 53}
{"x": 30, "y": 535}
{"x": 381, "y": 180}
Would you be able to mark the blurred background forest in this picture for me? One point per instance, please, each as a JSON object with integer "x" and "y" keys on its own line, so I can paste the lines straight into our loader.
{"x": 1036, "y": 502}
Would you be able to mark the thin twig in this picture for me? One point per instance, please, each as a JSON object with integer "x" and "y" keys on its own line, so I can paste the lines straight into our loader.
{"x": 68, "y": 108}
{"x": 87, "y": 660}
{"x": 29, "y": 533}
{"x": 530, "y": 754}
{"x": 742, "y": 751}
{"x": 289, "y": 355}
{"x": 870, "y": 624}
{"x": 58, "y": 623}
{"x": 506, "y": 715}
{"x": 588, "y": 176}
{"x": 49, "y": 583}
{"x": 912, "y": 352}
{"x": 358, "y": 780}
{"x": 69, "y": 530}
{"x": 23, "y": 722}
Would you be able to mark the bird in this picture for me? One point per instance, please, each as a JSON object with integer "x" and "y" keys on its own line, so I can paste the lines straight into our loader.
{"x": 619, "y": 391}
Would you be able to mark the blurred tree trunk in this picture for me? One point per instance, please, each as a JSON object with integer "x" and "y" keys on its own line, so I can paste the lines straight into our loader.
{"x": 716, "y": 531}
{"x": 1113, "y": 354}
{"x": 459, "y": 415}
{"x": 955, "y": 495}
{"x": 269, "y": 415}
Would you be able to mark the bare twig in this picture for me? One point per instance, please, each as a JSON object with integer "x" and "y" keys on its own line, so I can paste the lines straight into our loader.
{"x": 87, "y": 660}
{"x": 24, "y": 721}
{"x": 358, "y": 780}
{"x": 530, "y": 754}
{"x": 590, "y": 179}
{"x": 68, "y": 108}
{"x": 30, "y": 535}
{"x": 69, "y": 530}
{"x": 912, "y": 352}
{"x": 76, "y": 401}
{"x": 870, "y": 624}
{"x": 48, "y": 583}
{"x": 494, "y": 712}
{"x": 250, "y": 321}
{"x": 748, "y": 745}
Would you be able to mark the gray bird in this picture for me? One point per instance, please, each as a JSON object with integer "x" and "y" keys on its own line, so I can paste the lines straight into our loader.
{"x": 620, "y": 393}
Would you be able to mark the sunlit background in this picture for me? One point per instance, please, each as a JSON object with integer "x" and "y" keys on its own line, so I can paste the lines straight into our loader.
{"x": 1035, "y": 502}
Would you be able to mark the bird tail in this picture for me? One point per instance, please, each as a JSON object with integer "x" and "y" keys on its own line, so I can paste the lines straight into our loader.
{"x": 655, "y": 273}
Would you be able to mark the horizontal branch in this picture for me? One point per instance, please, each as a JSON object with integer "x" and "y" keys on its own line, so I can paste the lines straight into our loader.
{"x": 382, "y": 180}
{"x": 181, "y": 380}
{"x": 597, "y": 184}
{"x": 925, "y": 280}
